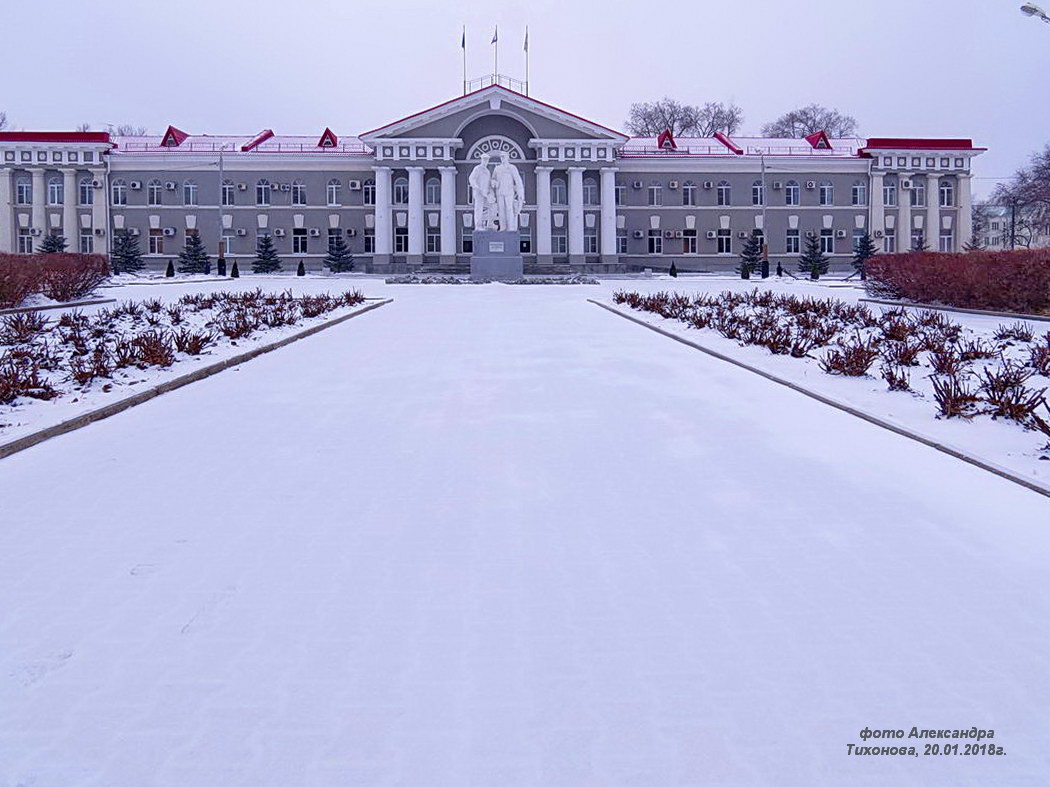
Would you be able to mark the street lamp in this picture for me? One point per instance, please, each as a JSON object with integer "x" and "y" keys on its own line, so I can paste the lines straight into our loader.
{"x": 1031, "y": 9}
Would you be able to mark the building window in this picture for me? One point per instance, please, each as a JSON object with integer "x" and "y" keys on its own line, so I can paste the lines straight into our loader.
{"x": 918, "y": 194}
{"x": 725, "y": 242}
{"x": 299, "y": 241}
{"x": 656, "y": 242}
{"x": 401, "y": 240}
{"x": 590, "y": 192}
{"x": 467, "y": 241}
{"x": 792, "y": 193}
{"x": 621, "y": 241}
{"x": 827, "y": 241}
{"x": 689, "y": 193}
{"x": 826, "y": 193}
{"x": 87, "y": 192}
{"x": 55, "y": 192}
{"x": 433, "y": 240}
{"x": 889, "y": 242}
{"x": 227, "y": 243}
{"x": 154, "y": 190}
{"x": 156, "y": 241}
{"x": 758, "y": 193}
{"x": 401, "y": 191}
{"x": 25, "y": 242}
{"x": 228, "y": 191}
{"x": 298, "y": 192}
{"x": 793, "y": 243}
{"x": 689, "y": 242}
{"x": 889, "y": 194}
{"x": 262, "y": 192}
{"x": 621, "y": 194}
{"x": 559, "y": 196}
{"x": 432, "y": 194}
{"x": 334, "y": 234}
{"x": 859, "y": 193}
{"x": 917, "y": 240}
{"x": 87, "y": 242}
{"x": 858, "y": 236}
{"x": 119, "y": 191}
{"x": 332, "y": 191}
{"x": 370, "y": 241}
{"x": 525, "y": 242}
{"x": 24, "y": 191}
{"x": 368, "y": 192}
{"x": 724, "y": 194}
{"x": 947, "y": 241}
{"x": 590, "y": 241}
{"x": 947, "y": 194}
{"x": 559, "y": 245}
{"x": 656, "y": 194}
{"x": 189, "y": 193}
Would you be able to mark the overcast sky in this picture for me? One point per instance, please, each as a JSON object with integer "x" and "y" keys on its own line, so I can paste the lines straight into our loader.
{"x": 962, "y": 68}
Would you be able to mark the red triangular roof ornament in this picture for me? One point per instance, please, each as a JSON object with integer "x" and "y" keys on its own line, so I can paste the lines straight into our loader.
{"x": 173, "y": 137}
{"x": 819, "y": 140}
{"x": 666, "y": 140}
{"x": 328, "y": 139}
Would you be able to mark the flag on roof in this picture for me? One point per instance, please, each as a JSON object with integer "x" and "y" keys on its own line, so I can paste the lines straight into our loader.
{"x": 526, "y": 39}
{"x": 495, "y": 35}
{"x": 463, "y": 40}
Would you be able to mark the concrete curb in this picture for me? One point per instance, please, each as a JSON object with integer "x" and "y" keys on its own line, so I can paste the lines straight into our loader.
{"x": 982, "y": 312}
{"x": 1002, "y": 472}
{"x": 73, "y": 305}
{"x": 111, "y": 284}
{"x": 22, "y": 443}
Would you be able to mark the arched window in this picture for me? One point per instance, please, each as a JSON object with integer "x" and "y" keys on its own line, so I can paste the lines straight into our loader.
{"x": 559, "y": 194}
{"x": 656, "y": 194}
{"x": 119, "y": 189}
{"x": 689, "y": 193}
{"x": 153, "y": 192}
{"x": 792, "y": 193}
{"x": 947, "y": 194}
{"x": 55, "y": 192}
{"x": 189, "y": 193}
{"x": 262, "y": 192}
{"x": 368, "y": 192}
{"x": 298, "y": 192}
{"x": 758, "y": 193}
{"x": 24, "y": 191}
{"x": 859, "y": 193}
{"x": 724, "y": 193}
{"x": 827, "y": 193}
{"x": 228, "y": 193}
{"x": 401, "y": 191}
{"x": 590, "y": 191}
{"x": 433, "y": 191}
{"x": 332, "y": 191}
{"x": 87, "y": 192}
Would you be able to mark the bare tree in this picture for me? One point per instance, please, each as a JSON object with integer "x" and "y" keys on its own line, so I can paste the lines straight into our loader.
{"x": 810, "y": 119}
{"x": 3, "y": 120}
{"x": 649, "y": 118}
{"x": 127, "y": 130}
{"x": 84, "y": 127}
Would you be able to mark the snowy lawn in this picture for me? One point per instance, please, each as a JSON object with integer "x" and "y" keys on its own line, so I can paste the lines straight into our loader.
{"x": 498, "y": 536}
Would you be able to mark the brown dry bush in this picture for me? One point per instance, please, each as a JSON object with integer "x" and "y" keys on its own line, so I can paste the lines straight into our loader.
{"x": 852, "y": 358}
{"x": 154, "y": 348}
{"x": 19, "y": 328}
{"x": 954, "y": 397}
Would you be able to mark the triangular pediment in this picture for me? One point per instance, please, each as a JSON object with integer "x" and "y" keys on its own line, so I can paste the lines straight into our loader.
{"x": 448, "y": 119}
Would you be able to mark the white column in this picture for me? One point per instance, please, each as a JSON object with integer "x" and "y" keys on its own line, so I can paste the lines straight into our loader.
{"x": 608, "y": 219}
{"x": 575, "y": 213}
{"x": 878, "y": 207}
{"x": 933, "y": 211}
{"x": 384, "y": 240}
{"x": 904, "y": 223}
{"x": 70, "y": 196}
{"x": 965, "y": 223}
{"x": 448, "y": 211}
{"x": 7, "y": 214}
{"x": 39, "y": 198}
{"x": 543, "y": 211}
{"x": 415, "y": 211}
{"x": 100, "y": 212}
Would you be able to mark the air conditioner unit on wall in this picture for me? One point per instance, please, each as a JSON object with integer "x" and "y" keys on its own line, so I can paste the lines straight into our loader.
{"x": 810, "y": 234}
{"x": 241, "y": 232}
{"x": 34, "y": 231}
{"x": 777, "y": 185}
{"x": 672, "y": 184}
{"x": 668, "y": 233}
{"x": 314, "y": 232}
{"x": 278, "y": 233}
{"x": 97, "y": 184}
{"x": 906, "y": 184}
{"x": 99, "y": 231}
{"x": 708, "y": 184}
{"x": 637, "y": 184}
{"x": 840, "y": 233}
{"x": 741, "y": 234}
{"x": 355, "y": 185}
{"x": 679, "y": 234}
{"x": 242, "y": 186}
{"x": 811, "y": 184}
{"x": 879, "y": 233}
{"x": 711, "y": 234}
{"x": 133, "y": 231}
{"x": 135, "y": 185}
{"x": 274, "y": 186}
{"x": 169, "y": 231}
{"x": 351, "y": 232}
{"x": 639, "y": 234}
{"x": 171, "y": 185}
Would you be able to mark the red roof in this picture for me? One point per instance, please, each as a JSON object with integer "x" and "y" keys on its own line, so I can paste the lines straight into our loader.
{"x": 819, "y": 141}
{"x": 666, "y": 140}
{"x": 54, "y": 136}
{"x": 908, "y": 143}
{"x": 257, "y": 140}
{"x": 173, "y": 137}
{"x": 729, "y": 143}
{"x": 328, "y": 139}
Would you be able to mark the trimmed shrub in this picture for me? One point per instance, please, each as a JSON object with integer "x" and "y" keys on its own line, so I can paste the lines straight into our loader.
{"x": 1017, "y": 281}
{"x": 68, "y": 277}
{"x": 19, "y": 278}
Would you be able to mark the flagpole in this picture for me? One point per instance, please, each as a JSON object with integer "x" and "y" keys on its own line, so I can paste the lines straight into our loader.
{"x": 463, "y": 46}
{"x": 526, "y": 60}
{"x": 495, "y": 65}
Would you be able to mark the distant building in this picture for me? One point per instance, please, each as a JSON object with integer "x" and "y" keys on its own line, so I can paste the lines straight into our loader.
{"x": 1005, "y": 228}
{"x": 597, "y": 199}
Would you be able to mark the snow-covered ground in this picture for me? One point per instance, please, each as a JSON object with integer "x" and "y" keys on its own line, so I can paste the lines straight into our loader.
{"x": 497, "y": 535}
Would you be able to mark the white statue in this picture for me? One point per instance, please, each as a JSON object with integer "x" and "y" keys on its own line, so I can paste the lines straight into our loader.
{"x": 481, "y": 183}
{"x": 510, "y": 193}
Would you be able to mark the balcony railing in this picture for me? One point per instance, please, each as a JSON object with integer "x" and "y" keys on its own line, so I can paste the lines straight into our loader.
{"x": 517, "y": 85}
{"x": 268, "y": 147}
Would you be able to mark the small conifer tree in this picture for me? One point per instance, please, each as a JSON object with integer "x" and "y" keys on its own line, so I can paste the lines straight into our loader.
{"x": 266, "y": 259}
{"x": 126, "y": 256}
{"x": 813, "y": 261}
{"x": 674, "y": 270}
{"x": 862, "y": 252}
{"x": 53, "y": 243}
{"x": 193, "y": 258}
{"x": 301, "y": 270}
{"x": 235, "y": 272}
{"x": 750, "y": 256}
{"x": 169, "y": 272}
{"x": 339, "y": 259}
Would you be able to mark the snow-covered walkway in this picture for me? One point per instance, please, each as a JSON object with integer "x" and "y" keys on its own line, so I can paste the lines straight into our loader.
{"x": 499, "y": 536}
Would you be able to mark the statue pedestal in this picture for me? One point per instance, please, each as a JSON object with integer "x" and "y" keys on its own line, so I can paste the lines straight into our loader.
{"x": 496, "y": 255}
